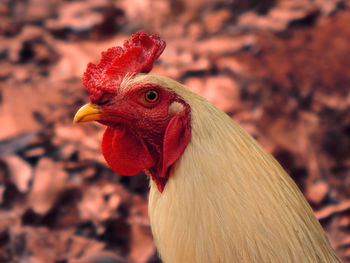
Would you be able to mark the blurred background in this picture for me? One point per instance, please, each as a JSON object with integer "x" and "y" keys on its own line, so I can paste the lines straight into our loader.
{"x": 280, "y": 68}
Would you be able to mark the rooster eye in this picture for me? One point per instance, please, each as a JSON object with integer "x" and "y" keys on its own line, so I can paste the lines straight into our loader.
{"x": 151, "y": 96}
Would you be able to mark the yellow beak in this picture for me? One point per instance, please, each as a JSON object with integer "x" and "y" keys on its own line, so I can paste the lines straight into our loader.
{"x": 89, "y": 112}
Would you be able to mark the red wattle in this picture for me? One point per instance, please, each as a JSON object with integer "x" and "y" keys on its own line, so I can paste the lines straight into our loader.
{"x": 125, "y": 153}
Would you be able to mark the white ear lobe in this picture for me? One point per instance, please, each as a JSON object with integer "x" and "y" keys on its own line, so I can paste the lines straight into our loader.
{"x": 175, "y": 107}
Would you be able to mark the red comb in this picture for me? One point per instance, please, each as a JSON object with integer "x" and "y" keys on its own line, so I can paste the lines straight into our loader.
{"x": 138, "y": 55}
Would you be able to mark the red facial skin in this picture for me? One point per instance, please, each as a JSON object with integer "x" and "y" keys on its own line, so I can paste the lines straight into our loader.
{"x": 143, "y": 135}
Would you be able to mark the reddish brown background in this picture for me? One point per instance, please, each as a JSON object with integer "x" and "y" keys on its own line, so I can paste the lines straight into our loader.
{"x": 280, "y": 68}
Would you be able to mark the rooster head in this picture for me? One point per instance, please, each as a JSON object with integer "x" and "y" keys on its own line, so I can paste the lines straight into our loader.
{"x": 148, "y": 123}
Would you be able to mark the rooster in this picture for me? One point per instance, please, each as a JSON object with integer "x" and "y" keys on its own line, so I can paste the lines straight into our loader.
{"x": 215, "y": 194}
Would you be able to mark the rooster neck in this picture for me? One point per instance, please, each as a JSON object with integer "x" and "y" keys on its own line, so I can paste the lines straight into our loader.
{"x": 226, "y": 200}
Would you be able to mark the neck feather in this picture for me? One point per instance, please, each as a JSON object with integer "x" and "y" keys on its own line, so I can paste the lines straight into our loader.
{"x": 227, "y": 200}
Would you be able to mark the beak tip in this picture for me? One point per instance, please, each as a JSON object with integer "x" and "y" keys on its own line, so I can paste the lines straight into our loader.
{"x": 88, "y": 112}
{"x": 75, "y": 120}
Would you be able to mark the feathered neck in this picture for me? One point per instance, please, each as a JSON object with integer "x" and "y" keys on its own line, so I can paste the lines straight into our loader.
{"x": 227, "y": 200}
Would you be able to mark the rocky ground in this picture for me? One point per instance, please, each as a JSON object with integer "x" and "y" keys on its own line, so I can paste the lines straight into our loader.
{"x": 280, "y": 68}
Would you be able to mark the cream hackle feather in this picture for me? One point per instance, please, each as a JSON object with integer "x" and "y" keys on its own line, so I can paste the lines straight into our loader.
{"x": 227, "y": 200}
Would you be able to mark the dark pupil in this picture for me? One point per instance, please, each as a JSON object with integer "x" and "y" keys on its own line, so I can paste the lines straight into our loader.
{"x": 151, "y": 95}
